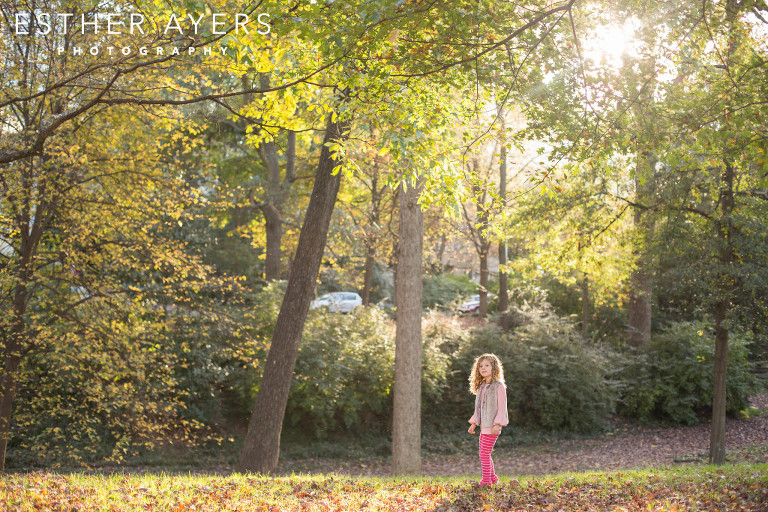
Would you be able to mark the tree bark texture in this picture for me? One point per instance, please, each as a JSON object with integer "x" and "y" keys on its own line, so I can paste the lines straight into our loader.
{"x": 371, "y": 237}
{"x": 274, "y": 230}
{"x": 723, "y": 306}
{"x": 726, "y": 285}
{"x": 585, "y": 308}
{"x": 641, "y": 280}
{"x": 8, "y": 383}
{"x": 717, "y": 432}
{"x": 406, "y": 428}
{"x": 370, "y": 255}
{"x": 271, "y": 210}
{"x": 262, "y": 443}
{"x": 12, "y": 355}
{"x": 639, "y": 314}
{"x": 503, "y": 297}
{"x": 483, "y": 309}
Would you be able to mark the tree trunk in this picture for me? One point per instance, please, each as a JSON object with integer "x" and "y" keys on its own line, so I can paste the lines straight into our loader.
{"x": 370, "y": 254}
{"x": 406, "y": 428}
{"x": 725, "y": 287}
{"x": 717, "y": 433}
{"x": 641, "y": 288}
{"x": 641, "y": 282}
{"x": 503, "y": 296}
{"x": 372, "y": 237}
{"x": 271, "y": 210}
{"x": 275, "y": 191}
{"x": 11, "y": 361}
{"x": 483, "y": 309}
{"x": 585, "y": 308}
{"x": 437, "y": 266}
{"x": 262, "y": 442}
{"x": 12, "y": 358}
{"x": 274, "y": 230}
{"x": 290, "y": 159}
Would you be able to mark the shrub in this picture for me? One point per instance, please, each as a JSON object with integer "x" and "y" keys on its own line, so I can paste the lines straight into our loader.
{"x": 555, "y": 380}
{"x": 344, "y": 372}
{"x": 671, "y": 379}
{"x": 442, "y": 290}
{"x": 445, "y": 338}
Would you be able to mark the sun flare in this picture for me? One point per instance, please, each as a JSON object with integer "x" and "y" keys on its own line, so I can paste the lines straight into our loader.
{"x": 606, "y": 44}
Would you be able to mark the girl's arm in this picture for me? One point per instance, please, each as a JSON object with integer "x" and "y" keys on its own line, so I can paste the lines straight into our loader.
{"x": 502, "y": 418}
{"x": 473, "y": 423}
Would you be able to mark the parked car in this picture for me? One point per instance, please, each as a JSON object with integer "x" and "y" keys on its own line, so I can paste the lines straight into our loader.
{"x": 338, "y": 302}
{"x": 470, "y": 306}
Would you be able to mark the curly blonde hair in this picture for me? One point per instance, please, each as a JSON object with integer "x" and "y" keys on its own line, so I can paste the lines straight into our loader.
{"x": 497, "y": 373}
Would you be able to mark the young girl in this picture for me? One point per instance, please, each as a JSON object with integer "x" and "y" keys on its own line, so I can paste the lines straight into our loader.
{"x": 487, "y": 382}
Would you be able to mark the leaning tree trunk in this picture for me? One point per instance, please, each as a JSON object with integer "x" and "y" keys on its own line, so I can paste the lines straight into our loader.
{"x": 406, "y": 423}
{"x": 262, "y": 442}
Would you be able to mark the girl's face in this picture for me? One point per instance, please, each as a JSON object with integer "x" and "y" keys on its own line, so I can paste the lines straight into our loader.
{"x": 485, "y": 367}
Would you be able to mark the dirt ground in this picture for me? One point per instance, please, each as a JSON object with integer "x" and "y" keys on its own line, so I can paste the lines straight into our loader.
{"x": 631, "y": 447}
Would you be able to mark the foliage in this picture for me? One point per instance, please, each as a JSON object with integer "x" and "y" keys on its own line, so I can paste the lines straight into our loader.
{"x": 343, "y": 378}
{"x": 671, "y": 378}
{"x": 443, "y": 290}
{"x": 124, "y": 292}
{"x": 558, "y": 381}
{"x": 555, "y": 380}
{"x": 128, "y": 320}
{"x": 344, "y": 372}
{"x": 705, "y": 489}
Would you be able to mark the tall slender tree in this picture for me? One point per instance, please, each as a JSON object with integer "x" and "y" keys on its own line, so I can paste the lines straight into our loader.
{"x": 406, "y": 422}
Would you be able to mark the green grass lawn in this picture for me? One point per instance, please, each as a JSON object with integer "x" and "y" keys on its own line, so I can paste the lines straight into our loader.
{"x": 727, "y": 488}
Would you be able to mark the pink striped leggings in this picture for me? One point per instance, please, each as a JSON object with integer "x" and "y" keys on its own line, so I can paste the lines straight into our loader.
{"x": 486, "y": 447}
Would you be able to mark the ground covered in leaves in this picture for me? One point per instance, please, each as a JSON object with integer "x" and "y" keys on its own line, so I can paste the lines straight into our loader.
{"x": 731, "y": 488}
{"x": 627, "y": 446}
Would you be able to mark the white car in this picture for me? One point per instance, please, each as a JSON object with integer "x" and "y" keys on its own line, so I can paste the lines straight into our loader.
{"x": 470, "y": 306}
{"x": 338, "y": 302}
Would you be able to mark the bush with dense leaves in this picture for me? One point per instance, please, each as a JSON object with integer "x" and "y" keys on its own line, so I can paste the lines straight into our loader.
{"x": 555, "y": 380}
{"x": 443, "y": 290}
{"x": 671, "y": 378}
{"x": 344, "y": 372}
{"x": 344, "y": 375}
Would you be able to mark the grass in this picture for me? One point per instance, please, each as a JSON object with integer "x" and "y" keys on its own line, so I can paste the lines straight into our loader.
{"x": 741, "y": 487}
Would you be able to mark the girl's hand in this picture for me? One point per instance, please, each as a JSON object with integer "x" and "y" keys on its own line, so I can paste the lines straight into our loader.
{"x": 496, "y": 430}
{"x": 472, "y": 428}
